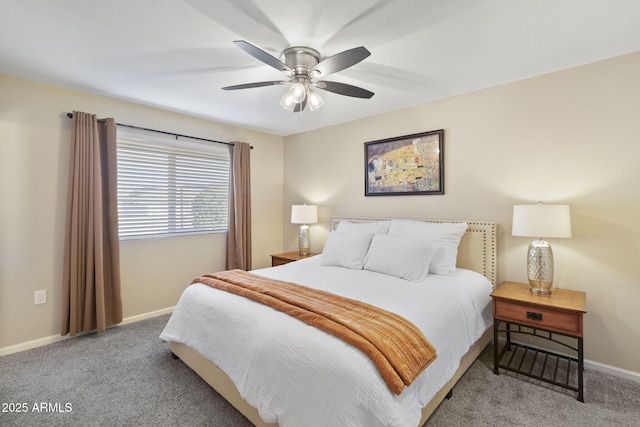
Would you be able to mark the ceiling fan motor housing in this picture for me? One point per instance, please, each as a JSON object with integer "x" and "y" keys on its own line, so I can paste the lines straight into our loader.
{"x": 300, "y": 59}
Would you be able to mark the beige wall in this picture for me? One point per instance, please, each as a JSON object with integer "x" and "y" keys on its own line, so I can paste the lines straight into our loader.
{"x": 568, "y": 137}
{"x": 34, "y": 155}
{"x": 571, "y": 137}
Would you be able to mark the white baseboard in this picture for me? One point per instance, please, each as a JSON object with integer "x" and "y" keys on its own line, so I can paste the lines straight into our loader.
{"x": 607, "y": 369}
{"x": 139, "y": 317}
{"x": 57, "y": 338}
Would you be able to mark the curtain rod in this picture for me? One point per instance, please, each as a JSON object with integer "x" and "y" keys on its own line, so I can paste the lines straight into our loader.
{"x": 70, "y": 115}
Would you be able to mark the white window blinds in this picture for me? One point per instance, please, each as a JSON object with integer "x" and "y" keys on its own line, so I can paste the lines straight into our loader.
{"x": 168, "y": 187}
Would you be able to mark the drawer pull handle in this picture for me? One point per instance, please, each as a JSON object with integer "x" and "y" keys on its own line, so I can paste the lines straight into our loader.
{"x": 534, "y": 316}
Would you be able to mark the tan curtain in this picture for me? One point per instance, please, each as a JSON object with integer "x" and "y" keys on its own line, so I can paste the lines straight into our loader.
{"x": 239, "y": 235}
{"x": 91, "y": 274}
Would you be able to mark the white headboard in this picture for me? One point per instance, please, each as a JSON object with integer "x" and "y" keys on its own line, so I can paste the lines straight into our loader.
{"x": 477, "y": 250}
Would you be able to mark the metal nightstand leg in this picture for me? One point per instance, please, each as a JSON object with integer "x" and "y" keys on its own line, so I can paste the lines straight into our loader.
{"x": 580, "y": 370}
{"x": 496, "y": 359}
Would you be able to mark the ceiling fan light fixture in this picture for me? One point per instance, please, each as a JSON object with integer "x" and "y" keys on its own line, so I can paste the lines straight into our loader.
{"x": 287, "y": 102}
{"x": 297, "y": 92}
{"x": 315, "y": 101}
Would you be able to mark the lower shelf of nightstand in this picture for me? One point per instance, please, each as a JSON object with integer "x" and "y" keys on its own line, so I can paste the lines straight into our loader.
{"x": 541, "y": 365}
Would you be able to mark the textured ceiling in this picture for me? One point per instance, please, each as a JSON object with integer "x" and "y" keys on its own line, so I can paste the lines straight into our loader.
{"x": 178, "y": 54}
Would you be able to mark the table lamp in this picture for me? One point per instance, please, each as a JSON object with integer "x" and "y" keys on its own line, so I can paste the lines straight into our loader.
{"x": 541, "y": 221}
{"x": 305, "y": 215}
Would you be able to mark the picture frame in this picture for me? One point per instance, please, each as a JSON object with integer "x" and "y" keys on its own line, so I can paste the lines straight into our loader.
{"x": 405, "y": 165}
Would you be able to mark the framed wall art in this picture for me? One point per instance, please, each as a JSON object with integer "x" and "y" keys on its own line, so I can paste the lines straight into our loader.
{"x": 405, "y": 165}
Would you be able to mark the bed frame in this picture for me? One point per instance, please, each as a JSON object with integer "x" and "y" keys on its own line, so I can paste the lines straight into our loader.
{"x": 477, "y": 252}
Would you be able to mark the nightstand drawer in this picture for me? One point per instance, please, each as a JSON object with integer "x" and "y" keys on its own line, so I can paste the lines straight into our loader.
{"x": 553, "y": 320}
{"x": 287, "y": 257}
{"x": 275, "y": 261}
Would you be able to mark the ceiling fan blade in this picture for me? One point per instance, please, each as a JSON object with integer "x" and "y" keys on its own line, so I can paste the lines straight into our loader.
{"x": 342, "y": 60}
{"x": 344, "y": 89}
{"x": 263, "y": 56}
{"x": 257, "y": 84}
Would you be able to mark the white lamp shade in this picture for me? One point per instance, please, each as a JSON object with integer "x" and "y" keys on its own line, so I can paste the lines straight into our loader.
{"x": 304, "y": 214}
{"x": 541, "y": 221}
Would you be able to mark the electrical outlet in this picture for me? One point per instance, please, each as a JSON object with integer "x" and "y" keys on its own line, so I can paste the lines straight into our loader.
{"x": 40, "y": 297}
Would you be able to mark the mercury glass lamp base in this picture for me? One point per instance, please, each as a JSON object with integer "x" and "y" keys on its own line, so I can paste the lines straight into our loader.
{"x": 534, "y": 289}
{"x": 540, "y": 267}
{"x": 303, "y": 240}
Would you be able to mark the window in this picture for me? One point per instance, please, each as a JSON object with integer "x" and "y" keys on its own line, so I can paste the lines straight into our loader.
{"x": 168, "y": 188}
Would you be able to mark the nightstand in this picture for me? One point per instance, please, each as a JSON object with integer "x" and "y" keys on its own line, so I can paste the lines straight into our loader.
{"x": 518, "y": 311}
{"x": 287, "y": 257}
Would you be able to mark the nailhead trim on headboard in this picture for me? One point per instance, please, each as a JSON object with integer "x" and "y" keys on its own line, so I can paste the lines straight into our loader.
{"x": 487, "y": 249}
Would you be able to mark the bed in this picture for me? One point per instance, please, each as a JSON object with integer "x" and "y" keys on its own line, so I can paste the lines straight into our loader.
{"x": 304, "y": 376}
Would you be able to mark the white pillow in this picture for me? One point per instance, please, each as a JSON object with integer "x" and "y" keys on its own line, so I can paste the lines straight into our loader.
{"x": 346, "y": 250}
{"x": 446, "y": 235}
{"x": 376, "y": 227}
{"x": 400, "y": 256}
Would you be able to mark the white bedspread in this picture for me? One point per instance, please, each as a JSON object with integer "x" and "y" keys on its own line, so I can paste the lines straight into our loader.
{"x": 297, "y": 375}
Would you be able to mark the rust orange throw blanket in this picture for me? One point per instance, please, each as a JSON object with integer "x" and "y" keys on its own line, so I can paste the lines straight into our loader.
{"x": 395, "y": 345}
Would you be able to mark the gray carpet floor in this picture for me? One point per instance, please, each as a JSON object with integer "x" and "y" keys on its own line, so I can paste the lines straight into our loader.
{"x": 127, "y": 377}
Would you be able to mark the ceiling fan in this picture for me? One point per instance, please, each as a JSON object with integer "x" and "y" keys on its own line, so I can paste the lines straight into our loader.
{"x": 303, "y": 69}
